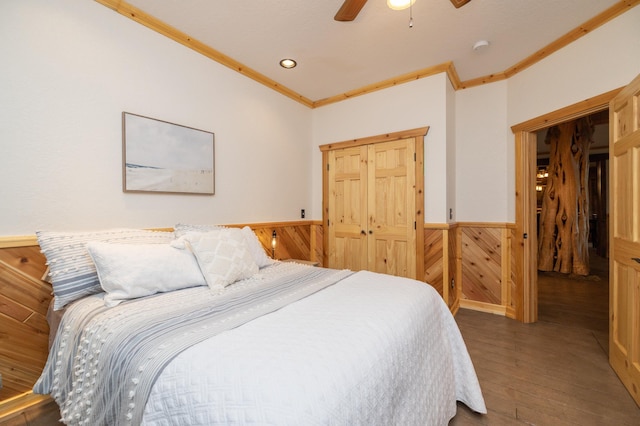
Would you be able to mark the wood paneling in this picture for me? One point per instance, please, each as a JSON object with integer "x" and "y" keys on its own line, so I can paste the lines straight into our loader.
{"x": 471, "y": 265}
{"x": 434, "y": 259}
{"x": 481, "y": 265}
{"x": 24, "y": 330}
{"x": 454, "y": 278}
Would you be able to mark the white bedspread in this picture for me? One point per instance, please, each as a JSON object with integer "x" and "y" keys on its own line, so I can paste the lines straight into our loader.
{"x": 370, "y": 350}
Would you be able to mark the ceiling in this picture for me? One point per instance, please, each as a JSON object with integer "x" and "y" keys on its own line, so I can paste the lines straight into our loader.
{"x": 338, "y": 57}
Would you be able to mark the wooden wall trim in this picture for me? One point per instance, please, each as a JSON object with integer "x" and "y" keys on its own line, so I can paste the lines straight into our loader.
{"x": 31, "y": 240}
{"x": 483, "y": 307}
{"x": 18, "y": 404}
{"x": 386, "y": 137}
{"x": 18, "y": 241}
{"x": 439, "y": 225}
{"x": 503, "y": 225}
{"x": 571, "y": 112}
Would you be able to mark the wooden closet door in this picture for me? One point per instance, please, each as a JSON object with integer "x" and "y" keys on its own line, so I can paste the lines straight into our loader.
{"x": 391, "y": 208}
{"x": 347, "y": 208}
{"x": 624, "y": 281}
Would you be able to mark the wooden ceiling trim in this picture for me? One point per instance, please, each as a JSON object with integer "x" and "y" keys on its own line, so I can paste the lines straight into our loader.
{"x": 491, "y": 78}
{"x": 149, "y": 21}
{"x": 573, "y": 35}
{"x": 137, "y": 15}
{"x": 395, "y": 81}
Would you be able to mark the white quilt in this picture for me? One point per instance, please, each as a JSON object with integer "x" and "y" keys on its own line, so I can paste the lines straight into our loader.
{"x": 370, "y": 350}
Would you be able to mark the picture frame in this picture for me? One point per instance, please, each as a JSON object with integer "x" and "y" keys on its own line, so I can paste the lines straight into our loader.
{"x": 163, "y": 157}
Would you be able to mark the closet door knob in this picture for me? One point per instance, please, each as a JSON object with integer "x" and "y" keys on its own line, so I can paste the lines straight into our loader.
{"x": 362, "y": 232}
{"x": 370, "y": 231}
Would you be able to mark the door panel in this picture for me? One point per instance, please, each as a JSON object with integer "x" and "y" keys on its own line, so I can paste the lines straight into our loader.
{"x": 391, "y": 207}
{"x": 624, "y": 323}
{"x": 347, "y": 208}
{"x": 372, "y": 207}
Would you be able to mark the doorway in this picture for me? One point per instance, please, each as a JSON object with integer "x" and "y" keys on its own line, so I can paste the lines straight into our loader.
{"x": 579, "y": 300}
{"x": 525, "y": 232}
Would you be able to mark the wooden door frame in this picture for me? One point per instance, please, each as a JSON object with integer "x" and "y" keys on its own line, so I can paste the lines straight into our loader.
{"x": 417, "y": 133}
{"x": 525, "y": 247}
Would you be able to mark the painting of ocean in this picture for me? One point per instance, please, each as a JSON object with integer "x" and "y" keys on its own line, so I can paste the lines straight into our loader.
{"x": 165, "y": 157}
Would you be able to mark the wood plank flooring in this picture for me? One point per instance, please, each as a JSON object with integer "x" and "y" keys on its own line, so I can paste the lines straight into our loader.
{"x": 553, "y": 372}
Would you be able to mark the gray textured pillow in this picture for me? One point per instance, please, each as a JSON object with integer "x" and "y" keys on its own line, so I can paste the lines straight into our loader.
{"x": 182, "y": 228}
{"x": 72, "y": 272}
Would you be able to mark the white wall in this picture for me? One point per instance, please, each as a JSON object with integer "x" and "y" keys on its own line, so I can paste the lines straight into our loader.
{"x": 603, "y": 60}
{"x": 69, "y": 69}
{"x": 407, "y": 106}
{"x": 452, "y": 162}
{"x": 482, "y": 154}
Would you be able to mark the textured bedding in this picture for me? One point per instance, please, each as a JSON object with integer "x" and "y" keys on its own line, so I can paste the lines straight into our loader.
{"x": 367, "y": 349}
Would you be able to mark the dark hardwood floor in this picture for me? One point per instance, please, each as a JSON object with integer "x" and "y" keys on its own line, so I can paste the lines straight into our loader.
{"x": 555, "y": 371}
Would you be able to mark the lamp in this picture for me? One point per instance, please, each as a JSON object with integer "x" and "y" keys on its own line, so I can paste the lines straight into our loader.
{"x": 274, "y": 242}
{"x": 400, "y": 4}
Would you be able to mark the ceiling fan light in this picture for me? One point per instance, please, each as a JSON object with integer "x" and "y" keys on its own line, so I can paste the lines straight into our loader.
{"x": 400, "y": 4}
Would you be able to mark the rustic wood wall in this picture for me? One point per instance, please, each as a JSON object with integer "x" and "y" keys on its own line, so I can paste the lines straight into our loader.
{"x": 471, "y": 266}
{"x": 487, "y": 268}
{"x": 24, "y": 300}
{"x": 24, "y": 331}
{"x": 434, "y": 258}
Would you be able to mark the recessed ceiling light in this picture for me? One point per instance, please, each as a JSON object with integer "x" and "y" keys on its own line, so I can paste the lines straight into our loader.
{"x": 288, "y": 63}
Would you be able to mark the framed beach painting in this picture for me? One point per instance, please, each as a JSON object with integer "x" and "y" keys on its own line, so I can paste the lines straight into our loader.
{"x": 164, "y": 157}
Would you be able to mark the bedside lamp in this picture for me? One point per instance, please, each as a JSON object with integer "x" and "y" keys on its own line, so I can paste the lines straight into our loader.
{"x": 273, "y": 244}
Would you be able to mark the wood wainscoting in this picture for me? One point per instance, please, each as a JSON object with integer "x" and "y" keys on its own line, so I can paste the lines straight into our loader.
{"x": 25, "y": 298}
{"x": 471, "y": 265}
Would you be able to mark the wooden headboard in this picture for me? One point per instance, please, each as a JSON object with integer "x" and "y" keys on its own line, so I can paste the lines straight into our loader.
{"x": 24, "y": 300}
{"x": 24, "y": 332}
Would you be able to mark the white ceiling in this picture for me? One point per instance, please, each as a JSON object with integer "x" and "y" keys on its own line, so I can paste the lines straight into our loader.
{"x": 337, "y": 57}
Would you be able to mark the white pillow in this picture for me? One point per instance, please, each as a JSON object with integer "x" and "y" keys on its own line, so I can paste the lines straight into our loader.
{"x": 255, "y": 247}
{"x": 129, "y": 271}
{"x": 223, "y": 256}
{"x": 72, "y": 273}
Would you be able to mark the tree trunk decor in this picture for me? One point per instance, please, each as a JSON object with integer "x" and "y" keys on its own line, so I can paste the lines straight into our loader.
{"x": 563, "y": 236}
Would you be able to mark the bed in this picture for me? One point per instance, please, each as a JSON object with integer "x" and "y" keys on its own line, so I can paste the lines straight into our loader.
{"x": 277, "y": 343}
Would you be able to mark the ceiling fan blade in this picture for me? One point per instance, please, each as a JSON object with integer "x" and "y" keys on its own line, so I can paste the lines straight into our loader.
{"x": 459, "y": 3}
{"x": 350, "y": 9}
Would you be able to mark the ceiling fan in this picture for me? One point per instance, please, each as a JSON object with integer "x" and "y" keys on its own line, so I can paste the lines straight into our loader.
{"x": 350, "y": 8}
